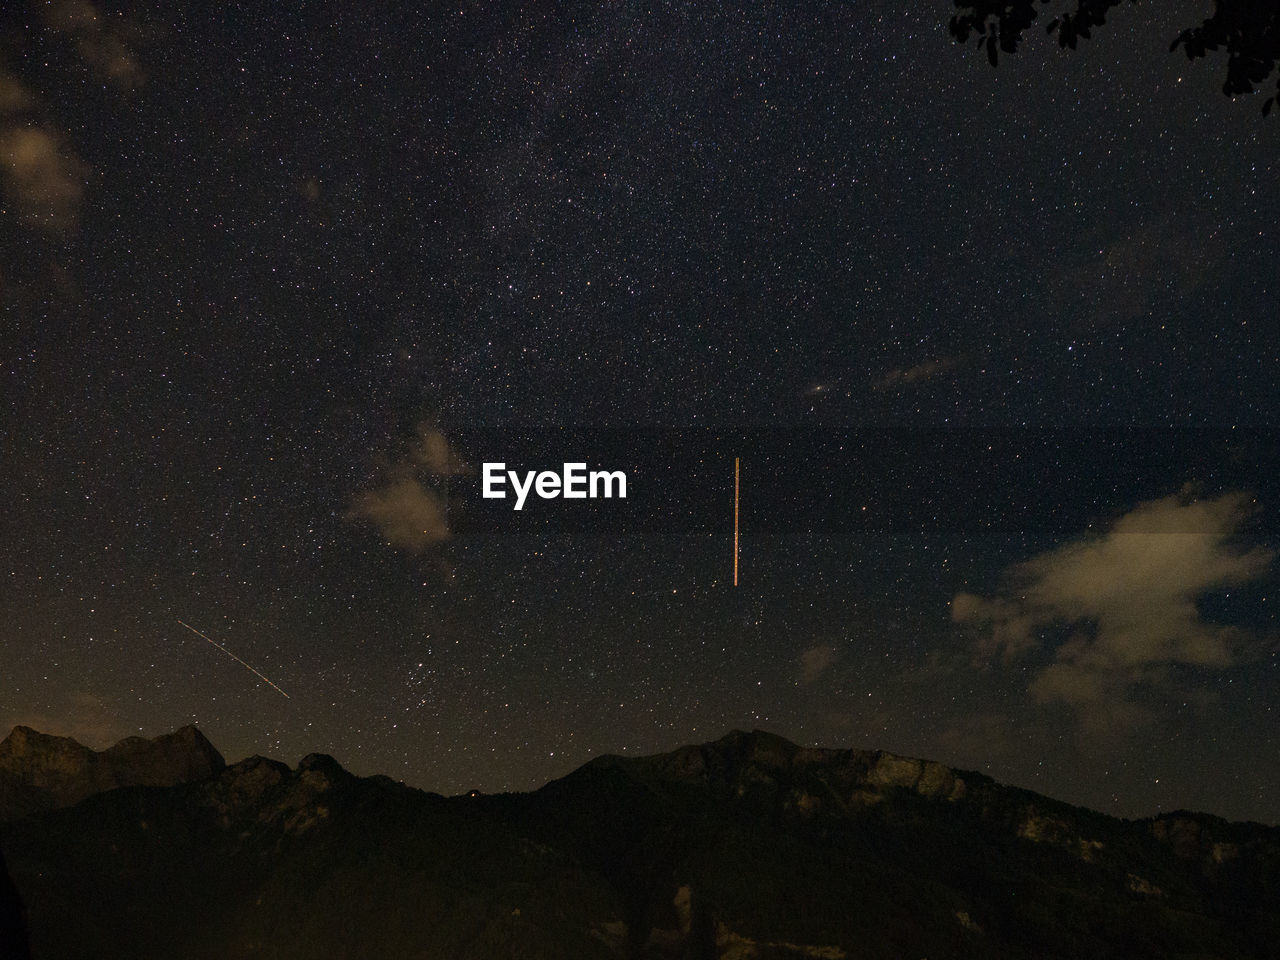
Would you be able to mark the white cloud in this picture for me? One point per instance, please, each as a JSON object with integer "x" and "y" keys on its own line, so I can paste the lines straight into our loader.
{"x": 407, "y": 514}
{"x": 100, "y": 41}
{"x": 434, "y": 454}
{"x": 1128, "y": 597}
{"x": 406, "y": 507}
{"x": 42, "y": 178}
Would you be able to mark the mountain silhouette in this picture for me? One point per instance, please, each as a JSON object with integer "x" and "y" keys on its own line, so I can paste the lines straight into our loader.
{"x": 747, "y": 847}
{"x": 43, "y": 772}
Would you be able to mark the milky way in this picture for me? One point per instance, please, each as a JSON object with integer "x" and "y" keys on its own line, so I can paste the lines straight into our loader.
{"x": 961, "y": 325}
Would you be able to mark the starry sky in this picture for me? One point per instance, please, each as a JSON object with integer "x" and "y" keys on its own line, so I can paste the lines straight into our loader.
{"x": 996, "y": 348}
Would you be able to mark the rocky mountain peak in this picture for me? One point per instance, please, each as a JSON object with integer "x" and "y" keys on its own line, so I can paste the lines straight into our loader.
{"x": 748, "y": 846}
{"x": 39, "y": 771}
{"x": 43, "y": 757}
{"x": 757, "y": 747}
{"x": 804, "y": 778}
{"x": 321, "y": 763}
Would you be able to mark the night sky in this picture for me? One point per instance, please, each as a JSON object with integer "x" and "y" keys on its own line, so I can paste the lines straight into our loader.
{"x": 997, "y": 349}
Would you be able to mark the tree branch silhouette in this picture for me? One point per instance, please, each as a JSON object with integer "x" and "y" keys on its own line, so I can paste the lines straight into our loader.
{"x": 1247, "y": 30}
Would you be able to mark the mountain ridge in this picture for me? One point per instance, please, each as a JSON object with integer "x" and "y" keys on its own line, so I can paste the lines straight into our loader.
{"x": 40, "y": 771}
{"x": 747, "y": 846}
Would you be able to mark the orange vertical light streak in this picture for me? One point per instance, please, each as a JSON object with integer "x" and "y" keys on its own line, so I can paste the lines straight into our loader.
{"x": 735, "y": 521}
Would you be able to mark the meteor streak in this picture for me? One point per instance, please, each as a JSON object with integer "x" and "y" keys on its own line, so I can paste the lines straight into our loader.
{"x": 235, "y": 658}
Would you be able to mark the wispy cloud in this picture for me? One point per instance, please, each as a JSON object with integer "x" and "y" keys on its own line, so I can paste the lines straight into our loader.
{"x": 43, "y": 177}
{"x": 814, "y": 662}
{"x": 920, "y": 372}
{"x": 406, "y": 506}
{"x": 1125, "y": 601}
{"x": 1143, "y": 270}
{"x": 14, "y": 97}
{"x": 101, "y": 41}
